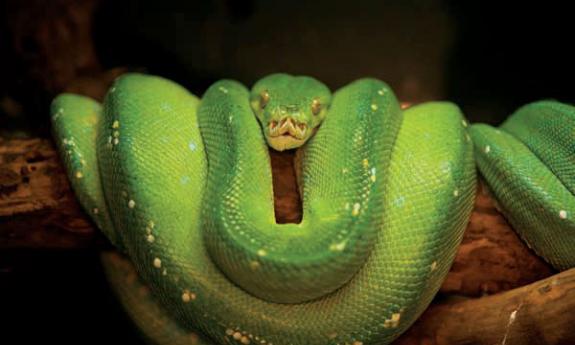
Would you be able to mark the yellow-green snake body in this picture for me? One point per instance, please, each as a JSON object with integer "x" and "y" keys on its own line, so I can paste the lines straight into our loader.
{"x": 183, "y": 188}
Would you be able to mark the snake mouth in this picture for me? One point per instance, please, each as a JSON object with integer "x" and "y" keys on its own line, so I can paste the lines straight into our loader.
{"x": 287, "y": 127}
{"x": 286, "y": 134}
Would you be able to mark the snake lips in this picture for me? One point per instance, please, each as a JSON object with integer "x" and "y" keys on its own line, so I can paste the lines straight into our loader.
{"x": 183, "y": 188}
{"x": 286, "y": 134}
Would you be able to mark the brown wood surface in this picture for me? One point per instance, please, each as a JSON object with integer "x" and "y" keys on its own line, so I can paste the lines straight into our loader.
{"x": 542, "y": 313}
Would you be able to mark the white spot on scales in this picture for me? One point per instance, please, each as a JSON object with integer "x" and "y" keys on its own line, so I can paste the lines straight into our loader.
{"x": 157, "y": 263}
{"x": 338, "y": 247}
{"x": 393, "y": 321}
{"x": 58, "y": 113}
{"x": 356, "y": 208}
{"x": 188, "y": 296}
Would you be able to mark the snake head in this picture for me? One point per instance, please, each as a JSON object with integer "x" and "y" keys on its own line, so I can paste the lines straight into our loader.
{"x": 289, "y": 108}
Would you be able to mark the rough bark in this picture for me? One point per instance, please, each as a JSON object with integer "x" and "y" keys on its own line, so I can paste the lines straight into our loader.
{"x": 37, "y": 206}
{"x": 538, "y": 314}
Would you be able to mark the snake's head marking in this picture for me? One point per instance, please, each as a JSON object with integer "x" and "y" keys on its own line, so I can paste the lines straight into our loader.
{"x": 289, "y": 108}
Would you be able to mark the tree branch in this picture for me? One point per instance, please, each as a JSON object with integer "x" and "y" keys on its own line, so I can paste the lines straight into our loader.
{"x": 539, "y": 313}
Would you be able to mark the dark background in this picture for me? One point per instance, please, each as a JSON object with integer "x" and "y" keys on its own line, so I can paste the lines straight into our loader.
{"x": 486, "y": 57}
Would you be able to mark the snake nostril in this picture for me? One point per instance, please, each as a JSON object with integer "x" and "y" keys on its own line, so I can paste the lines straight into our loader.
{"x": 301, "y": 126}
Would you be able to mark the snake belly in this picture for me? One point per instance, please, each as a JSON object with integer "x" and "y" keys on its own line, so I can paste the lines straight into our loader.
{"x": 173, "y": 181}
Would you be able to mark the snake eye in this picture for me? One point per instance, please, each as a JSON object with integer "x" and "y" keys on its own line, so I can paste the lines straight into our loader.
{"x": 315, "y": 106}
{"x": 264, "y": 98}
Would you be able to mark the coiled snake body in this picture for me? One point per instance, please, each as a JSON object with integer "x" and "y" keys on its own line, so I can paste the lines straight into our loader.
{"x": 183, "y": 188}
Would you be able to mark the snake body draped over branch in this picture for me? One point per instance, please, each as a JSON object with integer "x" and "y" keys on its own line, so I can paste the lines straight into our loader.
{"x": 183, "y": 188}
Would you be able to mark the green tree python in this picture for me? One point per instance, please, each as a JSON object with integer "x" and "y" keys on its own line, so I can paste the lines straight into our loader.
{"x": 183, "y": 188}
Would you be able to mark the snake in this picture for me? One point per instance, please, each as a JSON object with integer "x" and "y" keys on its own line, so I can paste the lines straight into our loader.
{"x": 182, "y": 187}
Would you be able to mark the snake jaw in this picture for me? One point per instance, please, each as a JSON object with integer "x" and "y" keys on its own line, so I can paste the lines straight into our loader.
{"x": 286, "y": 134}
{"x": 284, "y": 142}
{"x": 287, "y": 126}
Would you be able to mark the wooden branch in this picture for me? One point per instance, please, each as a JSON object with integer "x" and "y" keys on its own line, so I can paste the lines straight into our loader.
{"x": 539, "y": 313}
{"x": 37, "y": 207}
{"x": 492, "y": 257}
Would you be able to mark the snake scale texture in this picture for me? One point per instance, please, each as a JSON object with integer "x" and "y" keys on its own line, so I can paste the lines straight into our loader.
{"x": 183, "y": 188}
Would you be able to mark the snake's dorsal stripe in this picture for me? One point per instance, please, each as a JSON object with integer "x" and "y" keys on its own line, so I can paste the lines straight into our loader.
{"x": 547, "y": 128}
{"x": 537, "y": 204}
{"x": 75, "y": 121}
